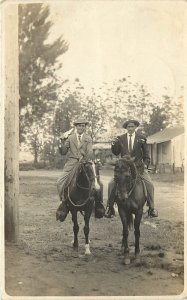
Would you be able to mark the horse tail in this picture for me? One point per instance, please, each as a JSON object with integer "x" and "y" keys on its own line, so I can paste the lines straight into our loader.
{"x": 130, "y": 220}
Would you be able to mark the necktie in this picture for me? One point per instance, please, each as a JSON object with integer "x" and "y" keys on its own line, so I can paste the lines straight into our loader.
{"x": 79, "y": 136}
{"x": 130, "y": 143}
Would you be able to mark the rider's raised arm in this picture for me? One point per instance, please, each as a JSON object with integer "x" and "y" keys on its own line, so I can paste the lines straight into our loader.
{"x": 116, "y": 146}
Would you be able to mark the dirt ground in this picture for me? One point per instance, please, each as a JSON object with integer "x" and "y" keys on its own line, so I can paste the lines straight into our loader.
{"x": 43, "y": 262}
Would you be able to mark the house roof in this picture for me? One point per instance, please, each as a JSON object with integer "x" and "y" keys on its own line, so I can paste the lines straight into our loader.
{"x": 165, "y": 135}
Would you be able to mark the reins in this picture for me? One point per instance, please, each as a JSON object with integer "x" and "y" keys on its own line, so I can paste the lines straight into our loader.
{"x": 78, "y": 205}
{"x": 133, "y": 187}
{"x": 85, "y": 188}
{"x": 134, "y": 182}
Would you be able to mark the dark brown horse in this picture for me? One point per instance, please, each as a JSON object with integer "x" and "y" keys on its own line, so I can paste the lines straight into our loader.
{"x": 130, "y": 198}
{"x": 81, "y": 197}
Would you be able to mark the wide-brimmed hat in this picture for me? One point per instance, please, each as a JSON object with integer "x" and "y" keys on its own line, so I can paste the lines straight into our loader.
{"x": 80, "y": 121}
{"x": 136, "y": 123}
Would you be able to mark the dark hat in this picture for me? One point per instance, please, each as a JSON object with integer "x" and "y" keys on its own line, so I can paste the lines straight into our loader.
{"x": 136, "y": 123}
{"x": 80, "y": 121}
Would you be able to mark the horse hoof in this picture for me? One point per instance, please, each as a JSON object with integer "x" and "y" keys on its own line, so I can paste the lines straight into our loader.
{"x": 75, "y": 247}
{"x": 137, "y": 260}
{"x": 127, "y": 261}
{"x": 87, "y": 249}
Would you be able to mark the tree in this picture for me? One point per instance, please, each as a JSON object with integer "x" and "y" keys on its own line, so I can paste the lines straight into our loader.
{"x": 73, "y": 102}
{"x": 95, "y": 114}
{"x": 157, "y": 121}
{"x": 35, "y": 141}
{"x": 66, "y": 113}
{"x": 174, "y": 110}
{"x": 38, "y": 63}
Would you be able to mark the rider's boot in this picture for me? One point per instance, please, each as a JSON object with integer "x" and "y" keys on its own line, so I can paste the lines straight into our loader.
{"x": 110, "y": 212}
{"x": 62, "y": 210}
{"x": 152, "y": 212}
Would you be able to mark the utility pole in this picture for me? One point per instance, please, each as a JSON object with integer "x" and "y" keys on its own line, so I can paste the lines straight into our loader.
{"x": 11, "y": 99}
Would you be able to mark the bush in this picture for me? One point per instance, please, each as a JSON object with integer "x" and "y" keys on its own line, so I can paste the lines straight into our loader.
{"x": 26, "y": 166}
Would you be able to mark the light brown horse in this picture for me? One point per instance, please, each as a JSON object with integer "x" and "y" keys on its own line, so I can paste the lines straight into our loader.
{"x": 130, "y": 198}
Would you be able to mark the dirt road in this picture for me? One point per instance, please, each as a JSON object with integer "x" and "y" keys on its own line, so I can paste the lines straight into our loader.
{"x": 43, "y": 262}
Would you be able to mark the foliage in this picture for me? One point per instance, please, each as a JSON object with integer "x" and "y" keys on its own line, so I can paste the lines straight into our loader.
{"x": 95, "y": 113}
{"x": 65, "y": 114}
{"x": 157, "y": 121}
{"x": 174, "y": 110}
{"x": 38, "y": 63}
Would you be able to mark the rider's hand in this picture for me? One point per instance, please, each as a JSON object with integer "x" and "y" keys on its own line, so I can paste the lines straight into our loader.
{"x": 114, "y": 141}
{"x": 67, "y": 144}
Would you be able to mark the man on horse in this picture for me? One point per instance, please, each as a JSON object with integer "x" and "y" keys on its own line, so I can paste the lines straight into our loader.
{"x": 133, "y": 144}
{"x": 79, "y": 147}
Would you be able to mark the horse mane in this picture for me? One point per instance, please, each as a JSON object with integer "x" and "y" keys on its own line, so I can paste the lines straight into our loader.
{"x": 73, "y": 178}
{"x": 129, "y": 161}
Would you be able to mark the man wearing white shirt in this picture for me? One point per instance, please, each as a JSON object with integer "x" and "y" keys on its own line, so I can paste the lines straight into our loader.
{"x": 133, "y": 144}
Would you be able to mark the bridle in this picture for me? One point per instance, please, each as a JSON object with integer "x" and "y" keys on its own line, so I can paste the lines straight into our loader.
{"x": 128, "y": 194}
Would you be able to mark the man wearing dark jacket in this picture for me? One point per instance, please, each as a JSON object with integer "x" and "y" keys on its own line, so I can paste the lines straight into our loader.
{"x": 133, "y": 144}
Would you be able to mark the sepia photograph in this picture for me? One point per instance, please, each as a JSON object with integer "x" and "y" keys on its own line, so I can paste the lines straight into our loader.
{"x": 93, "y": 159}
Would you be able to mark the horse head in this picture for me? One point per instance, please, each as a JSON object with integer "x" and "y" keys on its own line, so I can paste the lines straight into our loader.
{"x": 124, "y": 176}
{"x": 85, "y": 174}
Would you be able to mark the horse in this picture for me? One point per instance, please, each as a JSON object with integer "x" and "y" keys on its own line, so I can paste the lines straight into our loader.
{"x": 80, "y": 197}
{"x": 130, "y": 199}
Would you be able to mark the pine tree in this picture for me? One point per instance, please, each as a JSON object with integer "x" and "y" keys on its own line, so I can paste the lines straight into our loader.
{"x": 37, "y": 63}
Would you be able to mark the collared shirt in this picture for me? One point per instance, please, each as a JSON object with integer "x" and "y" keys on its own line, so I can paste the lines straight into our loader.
{"x": 79, "y": 135}
{"x": 132, "y": 139}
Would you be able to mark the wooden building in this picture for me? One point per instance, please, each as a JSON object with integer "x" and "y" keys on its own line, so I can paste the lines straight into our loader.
{"x": 166, "y": 149}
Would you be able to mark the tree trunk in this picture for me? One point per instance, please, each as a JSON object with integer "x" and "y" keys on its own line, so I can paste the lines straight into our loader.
{"x": 35, "y": 156}
{"x": 11, "y": 121}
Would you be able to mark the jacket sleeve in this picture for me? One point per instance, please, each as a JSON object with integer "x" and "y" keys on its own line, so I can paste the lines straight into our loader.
{"x": 116, "y": 146}
{"x": 146, "y": 156}
{"x": 63, "y": 146}
{"x": 89, "y": 150}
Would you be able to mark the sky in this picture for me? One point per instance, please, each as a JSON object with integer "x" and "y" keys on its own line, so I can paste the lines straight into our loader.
{"x": 109, "y": 40}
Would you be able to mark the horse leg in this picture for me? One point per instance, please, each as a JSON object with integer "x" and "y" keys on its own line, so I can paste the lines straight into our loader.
{"x": 125, "y": 246}
{"x": 138, "y": 217}
{"x": 86, "y": 231}
{"x": 75, "y": 229}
